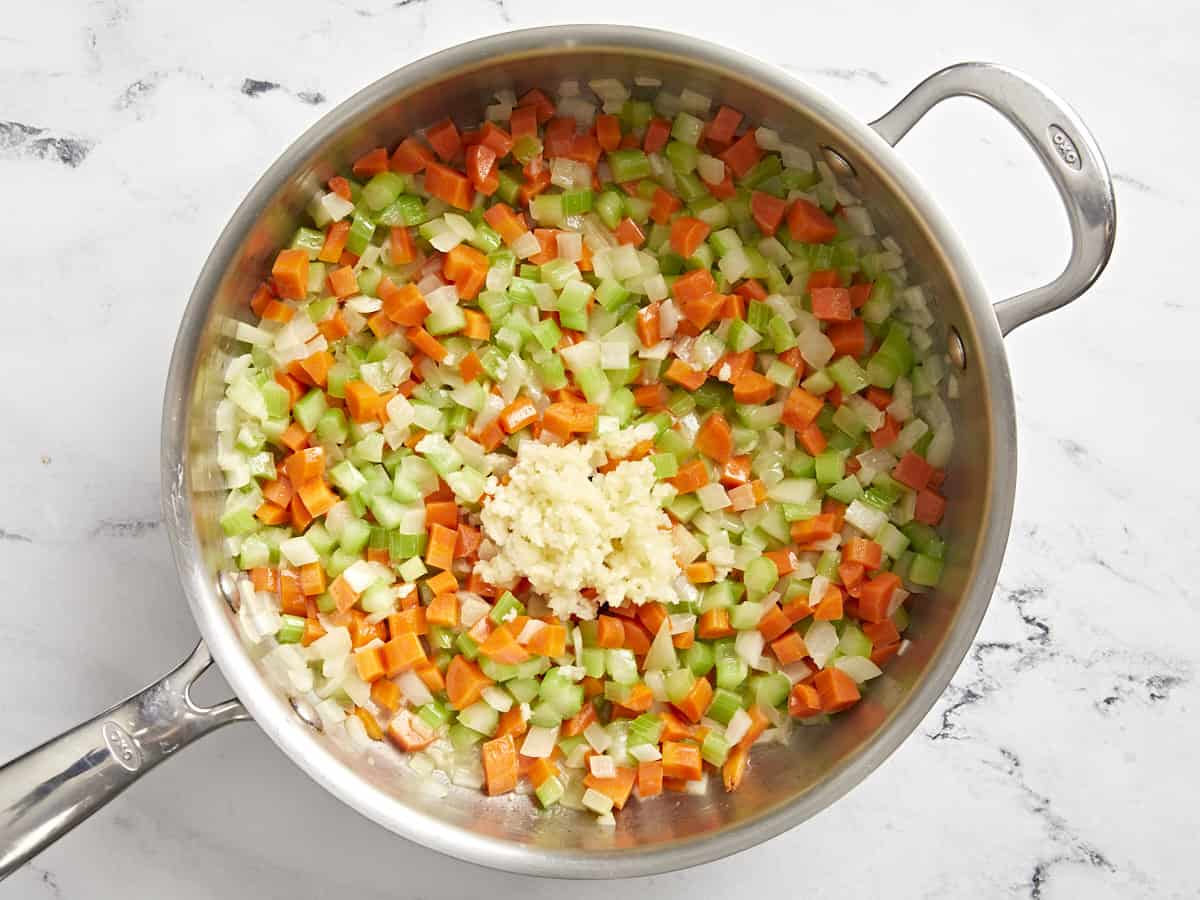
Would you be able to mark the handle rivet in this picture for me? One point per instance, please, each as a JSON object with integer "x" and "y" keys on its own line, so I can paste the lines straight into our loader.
{"x": 227, "y": 586}
{"x": 840, "y": 165}
{"x": 956, "y": 351}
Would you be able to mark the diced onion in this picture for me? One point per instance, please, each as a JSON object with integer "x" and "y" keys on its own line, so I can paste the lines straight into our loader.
{"x": 539, "y": 742}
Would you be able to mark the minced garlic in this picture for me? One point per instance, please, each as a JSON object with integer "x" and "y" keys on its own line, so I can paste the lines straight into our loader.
{"x": 566, "y": 527}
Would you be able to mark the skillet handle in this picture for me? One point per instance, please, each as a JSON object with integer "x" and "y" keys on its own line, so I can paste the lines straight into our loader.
{"x": 54, "y": 787}
{"x": 1066, "y": 149}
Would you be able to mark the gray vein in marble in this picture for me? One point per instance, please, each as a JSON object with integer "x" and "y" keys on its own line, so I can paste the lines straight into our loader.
{"x": 48, "y": 879}
{"x": 252, "y": 87}
{"x": 843, "y": 74}
{"x": 138, "y": 91}
{"x": 18, "y": 140}
{"x": 1128, "y": 180}
{"x": 15, "y": 537}
{"x": 125, "y": 528}
{"x": 1157, "y": 689}
{"x": 1075, "y": 850}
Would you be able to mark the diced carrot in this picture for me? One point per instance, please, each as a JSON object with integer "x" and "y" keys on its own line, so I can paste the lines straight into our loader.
{"x": 629, "y": 232}
{"x": 691, "y": 477}
{"x": 278, "y": 312}
{"x": 648, "y": 327}
{"x": 523, "y": 121}
{"x": 734, "y": 768}
{"x": 650, "y": 779}
{"x": 381, "y": 326}
{"x": 312, "y": 579}
{"x": 271, "y": 513}
{"x": 265, "y": 579}
{"x": 723, "y": 125}
{"x": 492, "y": 135}
{"x": 370, "y": 725}
{"x": 549, "y": 641}
{"x": 404, "y": 305}
{"x": 442, "y": 582}
{"x": 681, "y": 760}
{"x": 443, "y": 610}
{"x": 301, "y": 518}
{"x": 305, "y": 465}
{"x": 860, "y": 294}
{"x": 439, "y": 552}
{"x": 812, "y": 439}
{"x": 502, "y": 647}
{"x": 558, "y": 136}
{"x": 512, "y": 721}
{"x": 371, "y": 163}
{"x": 402, "y": 652}
{"x": 823, "y": 278}
{"x": 334, "y": 328}
{"x": 684, "y": 375}
{"x": 714, "y": 623}
{"x": 789, "y": 648}
{"x": 342, "y": 282}
{"x": 291, "y": 385}
{"x": 411, "y": 157}
{"x": 466, "y": 545}
{"x": 316, "y": 366}
{"x": 742, "y": 154}
{"x": 616, "y": 788}
{"x": 408, "y": 621}
{"x": 715, "y": 438}
{"x": 687, "y": 234}
{"x": 694, "y": 705}
{"x": 818, "y": 528}
{"x": 410, "y": 732}
{"x": 658, "y": 131}
{"x": 448, "y": 185}
{"x": 290, "y": 274}
{"x": 580, "y": 721}
{"x": 651, "y": 397}
{"x": 836, "y": 689}
{"x": 768, "y": 211}
{"x": 517, "y": 415}
{"x": 470, "y": 368}
{"x": 443, "y": 512}
{"x": 400, "y": 243}
{"x": 881, "y": 634}
{"x": 363, "y": 402}
{"x": 886, "y": 435}
{"x": 866, "y": 552}
{"x": 848, "y": 338}
{"x": 340, "y": 186}
{"x": 609, "y": 632}
{"x": 700, "y": 572}
{"x": 608, "y": 132}
{"x": 930, "y": 507}
{"x": 913, "y": 471}
{"x": 807, "y": 222}
{"x": 831, "y": 606}
{"x": 500, "y": 765}
{"x": 753, "y": 387}
{"x": 851, "y": 575}
{"x": 695, "y": 284}
{"x": 875, "y": 597}
{"x": 832, "y": 304}
{"x": 636, "y": 639}
{"x": 467, "y": 268}
{"x": 801, "y": 409}
{"x": 444, "y": 138}
{"x": 736, "y": 471}
{"x": 387, "y": 694}
{"x": 804, "y": 701}
{"x": 585, "y": 149}
{"x": 369, "y": 663}
{"x": 569, "y": 417}
{"x": 507, "y": 223}
{"x": 702, "y": 311}
{"x": 427, "y": 344}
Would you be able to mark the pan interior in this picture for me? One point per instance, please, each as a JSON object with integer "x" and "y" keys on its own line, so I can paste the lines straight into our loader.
{"x": 784, "y": 785}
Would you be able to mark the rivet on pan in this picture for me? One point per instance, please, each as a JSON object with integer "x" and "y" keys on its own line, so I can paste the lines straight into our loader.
{"x": 306, "y": 712}
{"x": 956, "y": 351}
{"x": 840, "y": 165}
{"x": 227, "y": 585}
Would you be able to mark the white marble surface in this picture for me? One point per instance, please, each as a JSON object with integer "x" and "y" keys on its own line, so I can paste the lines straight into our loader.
{"x": 1060, "y": 764}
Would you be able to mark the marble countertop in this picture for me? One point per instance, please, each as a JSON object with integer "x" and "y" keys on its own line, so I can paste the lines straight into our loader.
{"x": 1061, "y": 761}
